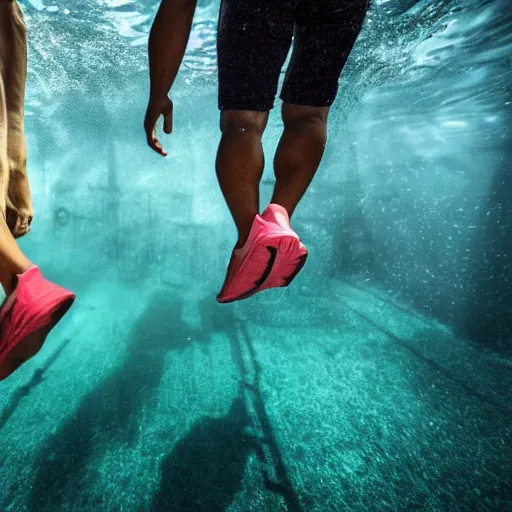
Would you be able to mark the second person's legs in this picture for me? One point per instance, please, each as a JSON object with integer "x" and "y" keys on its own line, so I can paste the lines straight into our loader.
{"x": 33, "y": 305}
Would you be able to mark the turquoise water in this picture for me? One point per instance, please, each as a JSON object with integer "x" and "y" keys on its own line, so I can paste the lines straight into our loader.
{"x": 380, "y": 380}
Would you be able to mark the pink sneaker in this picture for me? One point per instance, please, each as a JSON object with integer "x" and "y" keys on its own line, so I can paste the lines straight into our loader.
{"x": 27, "y": 316}
{"x": 272, "y": 256}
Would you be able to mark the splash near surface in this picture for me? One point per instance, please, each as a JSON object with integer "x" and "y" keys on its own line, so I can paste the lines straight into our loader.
{"x": 379, "y": 381}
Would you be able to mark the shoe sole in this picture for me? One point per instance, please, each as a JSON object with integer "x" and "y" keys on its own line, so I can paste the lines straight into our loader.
{"x": 276, "y": 271}
{"x": 289, "y": 262}
{"x": 32, "y": 343}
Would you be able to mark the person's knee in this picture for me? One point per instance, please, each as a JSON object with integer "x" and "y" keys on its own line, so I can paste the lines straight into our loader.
{"x": 243, "y": 121}
{"x": 299, "y": 116}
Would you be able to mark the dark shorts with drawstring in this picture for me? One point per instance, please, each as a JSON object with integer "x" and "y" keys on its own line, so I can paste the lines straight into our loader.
{"x": 254, "y": 39}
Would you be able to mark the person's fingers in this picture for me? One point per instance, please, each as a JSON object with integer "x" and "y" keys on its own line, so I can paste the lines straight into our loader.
{"x": 149, "y": 128}
{"x": 155, "y": 109}
{"x": 155, "y": 145}
{"x": 159, "y": 149}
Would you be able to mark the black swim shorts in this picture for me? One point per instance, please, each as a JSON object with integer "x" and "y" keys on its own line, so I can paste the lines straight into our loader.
{"x": 254, "y": 38}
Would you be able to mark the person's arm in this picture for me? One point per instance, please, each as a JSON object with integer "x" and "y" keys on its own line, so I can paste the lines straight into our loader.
{"x": 167, "y": 43}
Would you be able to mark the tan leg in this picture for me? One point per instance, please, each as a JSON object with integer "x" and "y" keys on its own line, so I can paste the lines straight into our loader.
{"x": 19, "y": 203}
{"x": 4, "y": 66}
{"x": 12, "y": 260}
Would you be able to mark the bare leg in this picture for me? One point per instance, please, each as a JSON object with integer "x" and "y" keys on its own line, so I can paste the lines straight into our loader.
{"x": 299, "y": 152}
{"x": 240, "y": 162}
{"x": 19, "y": 203}
{"x": 12, "y": 260}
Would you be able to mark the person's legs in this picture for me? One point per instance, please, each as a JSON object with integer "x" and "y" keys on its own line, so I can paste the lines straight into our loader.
{"x": 269, "y": 253}
{"x": 299, "y": 153}
{"x": 240, "y": 164}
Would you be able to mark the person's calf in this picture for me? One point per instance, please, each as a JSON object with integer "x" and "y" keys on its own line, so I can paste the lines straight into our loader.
{"x": 240, "y": 164}
{"x": 299, "y": 152}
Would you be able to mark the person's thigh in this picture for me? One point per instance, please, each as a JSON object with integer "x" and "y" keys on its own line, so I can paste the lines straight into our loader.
{"x": 325, "y": 33}
{"x": 254, "y": 38}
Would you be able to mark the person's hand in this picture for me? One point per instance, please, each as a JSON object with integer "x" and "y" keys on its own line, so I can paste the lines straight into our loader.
{"x": 156, "y": 108}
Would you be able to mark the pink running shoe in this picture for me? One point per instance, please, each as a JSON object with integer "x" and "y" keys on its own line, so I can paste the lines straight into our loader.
{"x": 272, "y": 256}
{"x": 27, "y": 316}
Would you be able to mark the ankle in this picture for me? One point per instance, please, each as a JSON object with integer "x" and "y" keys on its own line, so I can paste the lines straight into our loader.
{"x": 244, "y": 223}
{"x": 9, "y": 284}
{"x": 242, "y": 240}
{"x": 287, "y": 206}
{"x": 9, "y": 280}
{"x": 21, "y": 267}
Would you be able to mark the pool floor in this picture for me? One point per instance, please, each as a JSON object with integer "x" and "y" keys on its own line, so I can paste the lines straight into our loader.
{"x": 144, "y": 401}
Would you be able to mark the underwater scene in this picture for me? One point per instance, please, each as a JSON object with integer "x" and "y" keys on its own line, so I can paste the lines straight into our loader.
{"x": 379, "y": 380}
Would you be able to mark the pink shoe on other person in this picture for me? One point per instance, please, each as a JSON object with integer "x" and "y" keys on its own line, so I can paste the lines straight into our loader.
{"x": 27, "y": 316}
